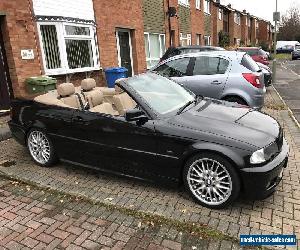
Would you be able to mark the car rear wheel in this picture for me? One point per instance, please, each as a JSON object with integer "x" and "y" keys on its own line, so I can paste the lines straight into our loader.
{"x": 41, "y": 148}
{"x": 211, "y": 180}
{"x": 236, "y": 100}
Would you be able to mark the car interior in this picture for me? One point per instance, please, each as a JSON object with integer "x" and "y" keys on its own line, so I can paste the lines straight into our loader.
{"x": 111, "y": 101}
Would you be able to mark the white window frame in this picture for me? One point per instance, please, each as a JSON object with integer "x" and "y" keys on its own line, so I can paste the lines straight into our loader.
{"x": 237, "y": 18}
{"x": 61, "y": 39}
{"x": 220, "y": 14}
{"x": 162, "y": 39}
{"x": 184, "y": 2}
{"x": 187, "y": 37}
{"x": 198, "y": 4}
{"x": 207, "y": 7}
{"x": 209, "y": 40}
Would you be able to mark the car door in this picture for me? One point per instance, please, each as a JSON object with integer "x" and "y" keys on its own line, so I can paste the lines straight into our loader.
{"x": 209, "y": 76}
{"x": 177, "y": 69}
{"x": 57, "y": 121}
{"x": 111, "y": 143}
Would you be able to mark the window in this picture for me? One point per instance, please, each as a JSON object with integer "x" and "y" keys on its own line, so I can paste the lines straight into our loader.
{"x": 237, "y": 18}
{"x": 220, "y": 14}
{"x": 198, "y": 39}
{"x": 207, "y": 6}
{"x": 184, "y": 2}
{"x": 154, "y": 47}
{"x": 249, "y": 22}
{"x": 68, "y": 47}
{"x": 175, "y": 68}
{"x": 185, "y": 39}
{"x": 198, "y": 4}
{"x": 207, "y": 40}
{"x": 205, "y": 65}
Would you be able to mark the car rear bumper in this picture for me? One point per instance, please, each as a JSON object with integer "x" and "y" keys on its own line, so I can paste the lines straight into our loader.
{"x": 260, "y": 182}
{"x": 17, "y": 132}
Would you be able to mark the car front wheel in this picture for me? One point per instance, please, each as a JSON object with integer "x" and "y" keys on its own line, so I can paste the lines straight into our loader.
{"x": 41, "y": 148}
{"x": 211, "y": 180}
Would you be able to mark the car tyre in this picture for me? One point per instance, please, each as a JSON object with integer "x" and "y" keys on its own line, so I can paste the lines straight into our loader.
{"x": 236, "y": 100}
{"x": 41, "y": 148}
{"x": 211, "y": 180}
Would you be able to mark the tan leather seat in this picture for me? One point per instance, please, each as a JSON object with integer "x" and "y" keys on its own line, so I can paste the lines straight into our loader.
{"x": 95, "y": 99}
{"x": 108, "y": 94}
{"x": 66, "y": 93}
{"x": 123, "y": 101}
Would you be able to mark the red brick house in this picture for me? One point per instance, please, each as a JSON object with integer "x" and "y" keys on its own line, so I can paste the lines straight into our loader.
{"x": 74, "y": 39}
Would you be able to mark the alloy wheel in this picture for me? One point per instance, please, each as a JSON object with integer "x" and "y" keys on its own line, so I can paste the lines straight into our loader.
{"x": 39, "y": 147}
{"x": 209, "y": 181}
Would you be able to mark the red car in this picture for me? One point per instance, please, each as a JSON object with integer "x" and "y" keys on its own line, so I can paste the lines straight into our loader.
{"x": 257, "y": 54}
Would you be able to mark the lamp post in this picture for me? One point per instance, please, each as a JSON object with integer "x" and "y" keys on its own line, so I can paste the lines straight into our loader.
{"x": 276, "y": 19}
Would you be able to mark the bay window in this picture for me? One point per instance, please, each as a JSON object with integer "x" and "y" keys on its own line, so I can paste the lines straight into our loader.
{"x": 68, "y": 47}
{"x": 184, "y": 2}
{"x": 154, "y": 47}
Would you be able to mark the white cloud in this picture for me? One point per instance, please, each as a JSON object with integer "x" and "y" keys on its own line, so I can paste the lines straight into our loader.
{"x": 262, "y": 8}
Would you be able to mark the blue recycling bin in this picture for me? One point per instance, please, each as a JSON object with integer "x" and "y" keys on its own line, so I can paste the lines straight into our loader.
{"x": 113, "y": 74}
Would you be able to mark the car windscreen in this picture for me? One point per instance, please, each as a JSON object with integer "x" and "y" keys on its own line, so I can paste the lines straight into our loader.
{"x": 161, "y": 94}
{"x": 249, "y": 63}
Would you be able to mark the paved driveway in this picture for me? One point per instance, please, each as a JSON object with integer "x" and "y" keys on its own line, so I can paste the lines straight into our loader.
{"x": 288, "y": 85}
{"x": 278, "y": 214}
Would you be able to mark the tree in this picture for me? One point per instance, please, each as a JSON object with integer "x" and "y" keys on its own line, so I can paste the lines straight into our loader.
{"x": 289, "y": 28}
{"x": 224, "y": 39}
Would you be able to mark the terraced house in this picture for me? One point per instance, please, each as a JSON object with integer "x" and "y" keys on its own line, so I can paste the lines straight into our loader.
{"x": 74, "y": 39}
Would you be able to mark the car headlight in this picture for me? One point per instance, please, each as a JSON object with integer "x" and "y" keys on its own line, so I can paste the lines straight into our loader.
{"x": 258, "y": 157}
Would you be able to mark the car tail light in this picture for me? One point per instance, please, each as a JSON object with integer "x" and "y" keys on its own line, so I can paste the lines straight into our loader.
{"x": 253, "y": 79}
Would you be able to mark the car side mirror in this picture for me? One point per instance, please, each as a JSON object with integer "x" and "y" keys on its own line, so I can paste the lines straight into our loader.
{"x": 136, "y": 115}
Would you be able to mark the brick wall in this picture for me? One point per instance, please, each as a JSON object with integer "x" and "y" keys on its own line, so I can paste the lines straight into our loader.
{"x": 154, "y": 16}
{"x": 234, "y": 29}
{"x": 197, "y": 21}
{"x": 244, "y": 30}
{"x": 19, "y": 32}
{"x": 264, "y": 34}
{"x": 114, "y": 14}
{"x": 184, "y": 15}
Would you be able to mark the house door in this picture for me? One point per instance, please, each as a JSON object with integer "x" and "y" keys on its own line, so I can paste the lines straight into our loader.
{"x": 4, "y": 77}
{"x": 125, "y": 50}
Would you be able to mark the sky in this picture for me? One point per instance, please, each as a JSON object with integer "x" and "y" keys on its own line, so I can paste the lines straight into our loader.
{"x": 262, "y": 8}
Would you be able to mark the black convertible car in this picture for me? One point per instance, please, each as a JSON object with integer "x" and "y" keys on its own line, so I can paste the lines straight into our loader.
{"x": 152, "y": 128}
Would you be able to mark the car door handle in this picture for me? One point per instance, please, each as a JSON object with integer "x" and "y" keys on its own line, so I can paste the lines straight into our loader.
{"x": 80, "y": 120}
{"x": 216, "y": 82}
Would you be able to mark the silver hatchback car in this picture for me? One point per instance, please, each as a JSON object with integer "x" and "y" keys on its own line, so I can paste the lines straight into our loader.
{"x": 225, "y": 75}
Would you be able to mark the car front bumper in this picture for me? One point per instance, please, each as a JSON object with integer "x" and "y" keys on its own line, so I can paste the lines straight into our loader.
{"x": 260, "y": 182}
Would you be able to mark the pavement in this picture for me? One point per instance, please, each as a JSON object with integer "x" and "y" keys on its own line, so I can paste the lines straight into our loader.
{"x": 35, "y": 218}
{"x": 288, "y": 85}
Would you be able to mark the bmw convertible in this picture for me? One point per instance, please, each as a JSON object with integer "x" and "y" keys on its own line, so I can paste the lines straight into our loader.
{"x": 152, "y": 128}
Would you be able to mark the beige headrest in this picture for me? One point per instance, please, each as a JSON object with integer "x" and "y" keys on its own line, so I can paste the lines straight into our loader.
{"x": 88, "y": 84}
{"x": 65, "y": 89}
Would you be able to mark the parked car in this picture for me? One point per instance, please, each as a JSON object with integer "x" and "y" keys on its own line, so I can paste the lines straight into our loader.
{"x": 296, "y": 52}
{"x": 286, "y": 46}
{"x": 217, "y": 149}
{"x": 175, "y": 51}
{"x": 225, "y": 75}
{"x": 266, "y": 70}
{"x": 257, "y": 54}
{"x": 286, "y": 49}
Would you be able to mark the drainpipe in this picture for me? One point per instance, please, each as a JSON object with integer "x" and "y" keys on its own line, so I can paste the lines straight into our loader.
{"x": 169, "y": 24}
